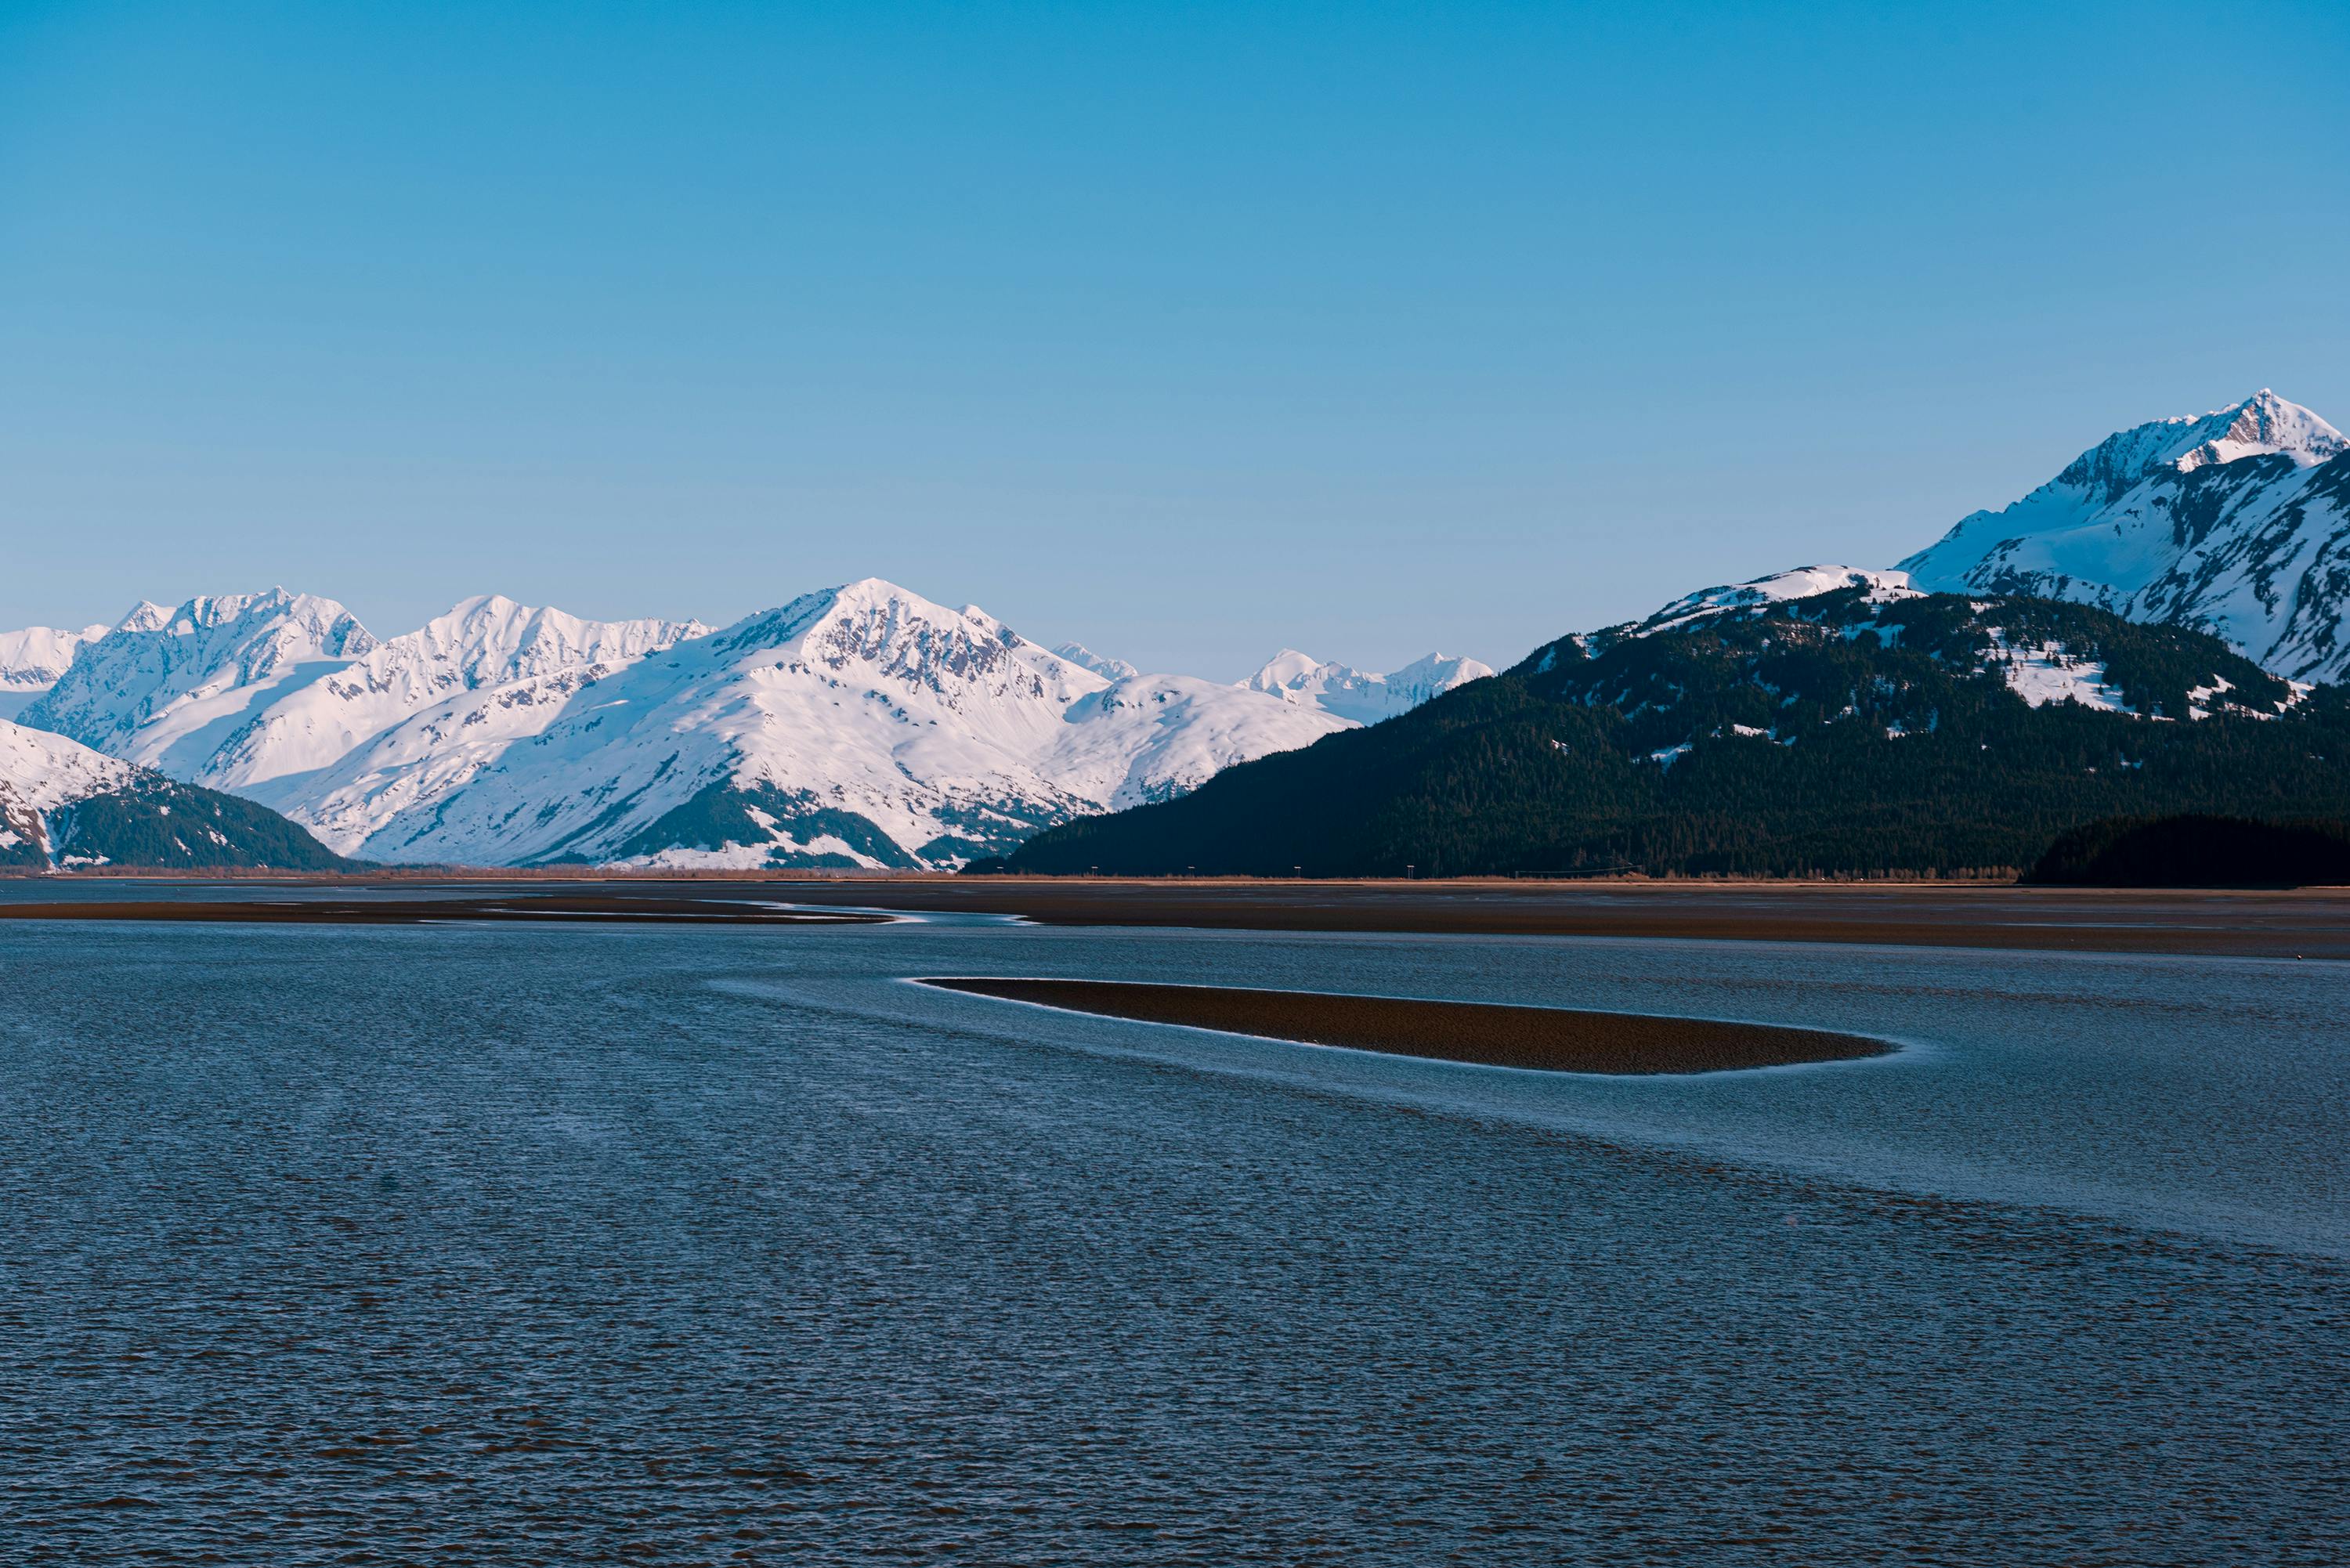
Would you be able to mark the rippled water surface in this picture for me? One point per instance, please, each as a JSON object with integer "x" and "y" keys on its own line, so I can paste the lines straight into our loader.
{"x": 562, "y": 1244}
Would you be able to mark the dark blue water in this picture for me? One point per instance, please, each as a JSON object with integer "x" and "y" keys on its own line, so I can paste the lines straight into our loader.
{"x": 562, "y": 1245}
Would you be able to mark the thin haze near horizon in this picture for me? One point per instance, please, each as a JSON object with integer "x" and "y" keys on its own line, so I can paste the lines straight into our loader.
{"x": 1186, "y": 332}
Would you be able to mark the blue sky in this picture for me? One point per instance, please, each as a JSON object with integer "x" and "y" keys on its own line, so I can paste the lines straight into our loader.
{"x": 1184, "y": 331}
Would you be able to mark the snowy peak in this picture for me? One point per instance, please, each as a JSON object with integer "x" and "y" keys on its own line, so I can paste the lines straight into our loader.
{"x": 1432, "y": 675}
{"x": 1362, "y": 696}
{"x": 32, "y": 660}
{"x": 491, "y": 638}
{"x": 240, "y": 689}
{"x": 1802, "y": 583}
{"x": 2233, "y": 522}
{"x": 159, "y": 687}
{"x": 275, "y": 624}
{"x": 874, "y": 629}
{"x": 1288, "y": 672}
{"x": 483, "y": 642}
{"x": 861, "y": 725}
{"x": 2261, "y": 424}
{"x": 1085, "y": 657}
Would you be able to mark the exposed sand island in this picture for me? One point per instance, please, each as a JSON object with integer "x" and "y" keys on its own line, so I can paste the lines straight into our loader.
{"x": 1559, "y": 1040}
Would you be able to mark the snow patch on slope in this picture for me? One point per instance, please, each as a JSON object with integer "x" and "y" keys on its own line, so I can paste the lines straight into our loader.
{"x": 1802, "y": 583}
{"x": 2046, "y": 672}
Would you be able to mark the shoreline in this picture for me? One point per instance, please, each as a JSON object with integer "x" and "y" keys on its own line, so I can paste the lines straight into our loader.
{"x": 1485, "y": 1034}
{"x": 554, "y": 909}
{"x": 2311, "y": 923}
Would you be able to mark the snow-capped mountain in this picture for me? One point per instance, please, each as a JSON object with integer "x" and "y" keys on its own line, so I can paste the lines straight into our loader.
{"x": 1361, "y": 695}
{"x": 1113, "y": 668}
{"x": 39, "y": 773}
{"x": 32, "y": 660}
{"x": 2236, "y": 522}
{"x": 170, "y": 688}
{"x": 64, "y": 804}
{"x": 483, "y": 642}
{"x": 860, "y": 726}
{"x": 239, "y": 691}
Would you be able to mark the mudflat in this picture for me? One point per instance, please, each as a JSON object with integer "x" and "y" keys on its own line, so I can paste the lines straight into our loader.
{"x": 2312, "y": 922}
{"x": 2257, "y": 923}
{"x": 602, "y": 908}
{"x": 1551, "y": 1038}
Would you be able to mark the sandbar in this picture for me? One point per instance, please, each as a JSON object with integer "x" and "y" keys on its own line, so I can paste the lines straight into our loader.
{"x": 1549, "y": 1039}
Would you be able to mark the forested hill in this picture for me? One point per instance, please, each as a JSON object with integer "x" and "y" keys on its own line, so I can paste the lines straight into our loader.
{"x": 1866, "y": 729}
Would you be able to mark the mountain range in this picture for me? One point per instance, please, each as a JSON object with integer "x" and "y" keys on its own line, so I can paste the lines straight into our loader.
{"x": 866, "y": 726}
{"x": 863, "y": 726}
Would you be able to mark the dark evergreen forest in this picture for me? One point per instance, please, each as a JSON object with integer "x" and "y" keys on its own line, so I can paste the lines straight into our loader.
{"x": 1832, "y": 736}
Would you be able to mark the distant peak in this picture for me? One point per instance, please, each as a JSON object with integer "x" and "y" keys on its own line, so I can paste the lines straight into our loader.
{"x": 2262, "y": 424}
{"x": 870, "y": 588}
{"x": 1287, "y": 671}
{"x": 1085, "y": 657}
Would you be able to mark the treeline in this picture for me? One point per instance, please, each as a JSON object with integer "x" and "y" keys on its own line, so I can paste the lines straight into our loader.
{"x": 2198, "y": 852}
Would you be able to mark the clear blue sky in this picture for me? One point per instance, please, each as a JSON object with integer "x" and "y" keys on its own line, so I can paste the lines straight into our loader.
{"x": 1187, "y": 331}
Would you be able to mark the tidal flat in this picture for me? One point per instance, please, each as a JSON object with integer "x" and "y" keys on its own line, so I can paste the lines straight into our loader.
{"x": 560, "y": 1241}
